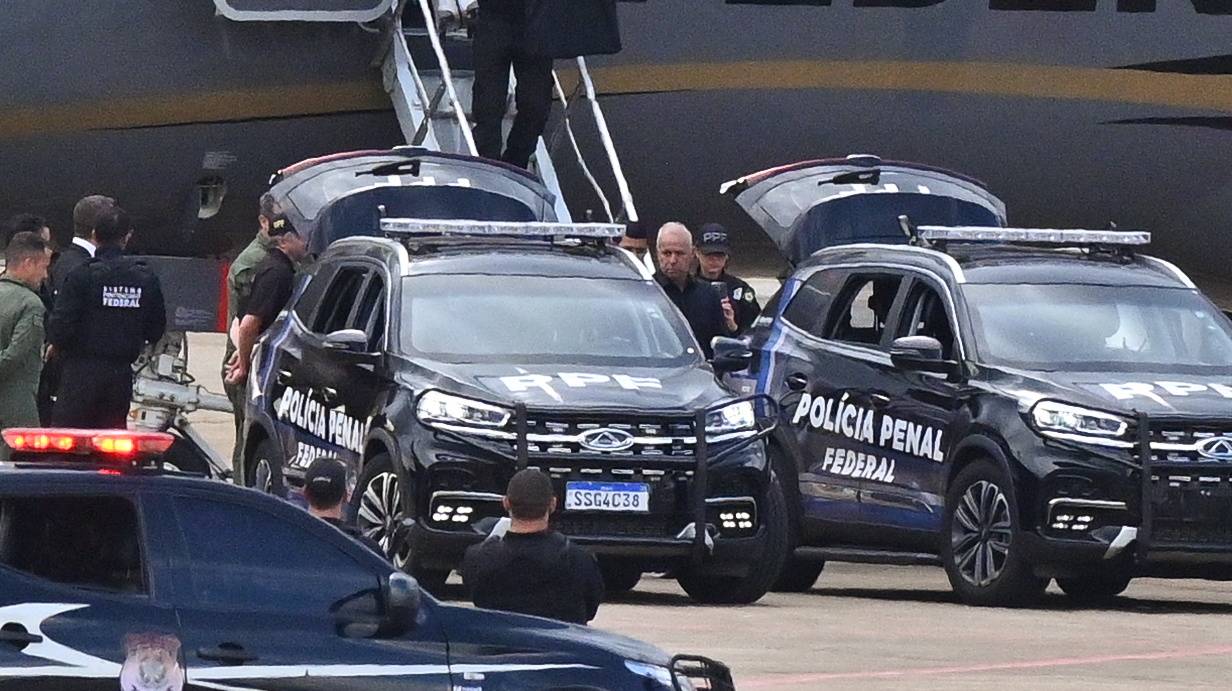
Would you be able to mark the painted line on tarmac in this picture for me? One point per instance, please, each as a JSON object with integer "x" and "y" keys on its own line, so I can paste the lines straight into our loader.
{"x": 767, "y": 682}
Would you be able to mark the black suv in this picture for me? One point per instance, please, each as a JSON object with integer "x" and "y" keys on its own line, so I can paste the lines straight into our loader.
{"x": 440, "y": 360}
{"x": 1013, "y": 404}
{"x": 112, "y": 570}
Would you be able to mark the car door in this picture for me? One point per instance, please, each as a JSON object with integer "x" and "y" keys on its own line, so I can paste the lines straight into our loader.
{"x": 796, "y": 368}
{"x": 279, "y": 600}
{"x": 83, "y": 595}
{"x": 917, "y": 420}
{"x": 310, "y": 402}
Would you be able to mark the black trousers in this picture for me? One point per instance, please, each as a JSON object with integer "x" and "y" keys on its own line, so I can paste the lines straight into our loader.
{"x": 93, "y": 394}
{"x": 497, "y": 49}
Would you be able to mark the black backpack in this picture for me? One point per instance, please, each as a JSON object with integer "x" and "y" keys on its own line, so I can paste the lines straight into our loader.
{"x": 571, "y": 28}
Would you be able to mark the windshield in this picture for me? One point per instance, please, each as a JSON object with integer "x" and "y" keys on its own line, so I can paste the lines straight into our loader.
{"x": 1084, "y": 327}
{"x": 542, "y": 320}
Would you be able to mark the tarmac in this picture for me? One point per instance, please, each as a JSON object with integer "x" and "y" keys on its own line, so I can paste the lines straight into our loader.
{"x": 879, "y": 626}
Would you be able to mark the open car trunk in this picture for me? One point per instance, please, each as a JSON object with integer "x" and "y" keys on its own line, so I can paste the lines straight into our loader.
{"x": 343, "y": 195}
{"x": 808, "y": 206}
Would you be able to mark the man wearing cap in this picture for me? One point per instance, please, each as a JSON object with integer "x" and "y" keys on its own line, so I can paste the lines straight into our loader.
{"x": 271, "y": 291}
{"x": 532, "y": 569}
{"x": 327, "y": 491}
{"x": 713, "y": 254}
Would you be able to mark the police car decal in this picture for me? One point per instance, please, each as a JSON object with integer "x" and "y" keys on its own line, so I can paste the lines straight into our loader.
{"x": 551, "y": 385}
{"x": 869, "y": 427}
{"x": 303, "y": 411}
{"x": 1161, "y": 390}
{"x": 70, "y": 663}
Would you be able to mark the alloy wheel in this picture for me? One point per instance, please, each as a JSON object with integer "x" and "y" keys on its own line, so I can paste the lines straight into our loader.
{"x": 380, "y": 516}
{"x": 981, "y": 533}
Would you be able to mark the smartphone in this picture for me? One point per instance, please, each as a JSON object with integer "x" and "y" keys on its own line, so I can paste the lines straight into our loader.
{"x": 719, "y": 288}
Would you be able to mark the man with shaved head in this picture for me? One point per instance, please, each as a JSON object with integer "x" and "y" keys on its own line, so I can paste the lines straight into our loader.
{"x": 708, "y": 311}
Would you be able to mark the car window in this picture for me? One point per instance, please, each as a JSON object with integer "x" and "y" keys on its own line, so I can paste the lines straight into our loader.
{"x": 244, "y": 558}
{"x": 370, "y": 317}
{"x": 807, "y": 309}
{"x": 339, "y": 300}
{"x": 87, "y": 542}
{"x": 308, "y": 301}
{"x": 860, "y": 313}
{"x": 925, "y": 314}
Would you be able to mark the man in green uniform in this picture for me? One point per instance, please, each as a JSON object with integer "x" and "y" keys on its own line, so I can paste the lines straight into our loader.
{"x": 21, "y": 331}
{"x": 239, "y": 289}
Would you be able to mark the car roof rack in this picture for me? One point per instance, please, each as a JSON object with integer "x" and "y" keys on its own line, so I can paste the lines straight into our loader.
{"x": 415, "y": 228}
{"x": 1112, "y": 240}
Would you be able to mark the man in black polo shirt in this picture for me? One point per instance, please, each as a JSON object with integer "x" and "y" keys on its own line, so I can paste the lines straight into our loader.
{"x": 327, "y": 490}
{"x": 271, "y": 291}
{"x": 708, "y": 313}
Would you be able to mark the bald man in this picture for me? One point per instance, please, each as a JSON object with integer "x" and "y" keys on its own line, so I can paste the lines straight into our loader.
{"x": 707, "y": 310}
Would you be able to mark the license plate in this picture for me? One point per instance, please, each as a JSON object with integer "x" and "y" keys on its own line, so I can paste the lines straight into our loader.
{"x": 631, "y": 497}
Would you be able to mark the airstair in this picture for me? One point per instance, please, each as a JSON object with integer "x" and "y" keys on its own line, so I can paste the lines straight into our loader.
{"x": 429, "y": 77}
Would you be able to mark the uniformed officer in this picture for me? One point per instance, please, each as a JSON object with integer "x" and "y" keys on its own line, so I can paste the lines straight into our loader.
{"x": 327, "y": 490}
{"x": 713, "y": 254}
{"x": 26, "y": 259}
{"x": 239, "y": 289}
{"x": 272, "y": 284}
{"x": 532, "y": 569}
{"x": 708, "y": 313}
{"x": 106, "y": 313}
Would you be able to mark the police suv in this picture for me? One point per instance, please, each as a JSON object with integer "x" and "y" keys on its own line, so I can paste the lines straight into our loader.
{"x": 112, "y": 570}
{"x": 439, "y": 360}
{"x": 1013, "y": 404}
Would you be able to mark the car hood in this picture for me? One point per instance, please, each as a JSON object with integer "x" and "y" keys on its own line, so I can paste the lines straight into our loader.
{"x": 505, "y": 633}
{"x": 575, "y": 387}
{"x": 1154, "y": 393}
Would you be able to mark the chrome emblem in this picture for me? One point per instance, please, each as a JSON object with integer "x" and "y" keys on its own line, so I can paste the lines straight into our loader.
{"x": 1218, "y": 448}
{"x": 606, "y": 439}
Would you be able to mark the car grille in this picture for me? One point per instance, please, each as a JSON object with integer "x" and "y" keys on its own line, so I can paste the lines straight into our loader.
{"x": 668, "y": 438}
{"x": 1190, "y": 508}
{"x": 586, "y": 525}
{"x": 1177, "y": 443}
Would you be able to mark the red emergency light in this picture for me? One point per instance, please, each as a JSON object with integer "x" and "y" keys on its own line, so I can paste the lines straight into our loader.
{"x": 109, "y": 443}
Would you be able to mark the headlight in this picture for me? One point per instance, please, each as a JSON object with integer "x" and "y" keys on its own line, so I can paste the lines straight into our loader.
{"x": 1051, "y": 416}
{"x": 657, "y": 673}
{"x": 436, "y": 407}
{"x": 737, "y": 417}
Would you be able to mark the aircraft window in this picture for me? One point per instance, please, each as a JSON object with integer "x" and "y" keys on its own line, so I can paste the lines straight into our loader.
{"x": 86, "y": 542}
{"x": 262, "y": 562}
{"x": 807, "y": 309}
{"x": 925, "y": 315}
{"x": 339, "y": 300}
{"x": 860, "y": 314}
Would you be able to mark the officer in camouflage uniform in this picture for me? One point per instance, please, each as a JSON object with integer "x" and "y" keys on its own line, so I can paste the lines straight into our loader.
{"x": 21, "y": 331}
{"x": 239, "y": 289}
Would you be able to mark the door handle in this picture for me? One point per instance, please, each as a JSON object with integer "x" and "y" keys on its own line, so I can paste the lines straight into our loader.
{"x": 228, "y": 653}
{"x": 19, "y": 635}
{"x": 329, "y": 394}
{"x": 284, "y": 377}
{"x": 797, "y": 381}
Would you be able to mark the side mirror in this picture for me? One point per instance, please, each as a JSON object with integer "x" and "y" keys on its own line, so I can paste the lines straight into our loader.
{"x": 349, "y": 340}
{"x": 921, "y": 354}
{"x": 730, "y": 354}
{"x": 400, "y": 596}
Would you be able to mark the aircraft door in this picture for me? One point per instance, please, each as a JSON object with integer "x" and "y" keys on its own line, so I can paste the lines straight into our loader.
{"x": 914, "y": 424}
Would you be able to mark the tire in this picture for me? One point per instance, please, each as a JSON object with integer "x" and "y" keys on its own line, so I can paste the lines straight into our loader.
{"x": 264, "y": 469}
{"x": 798, "y": 576}
{"x": 378, "y": 510}
{"x": 977, "y": 550}
{"x": 1095, "y": 588}
{"x": 619, "y": 577}
{"x": 764, "y": 568}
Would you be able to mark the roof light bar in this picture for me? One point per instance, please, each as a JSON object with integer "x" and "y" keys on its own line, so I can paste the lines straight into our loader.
{"x": 114, "y": 443}
{"x": 532, "y": 229}
{"x": 1043, "y": 236}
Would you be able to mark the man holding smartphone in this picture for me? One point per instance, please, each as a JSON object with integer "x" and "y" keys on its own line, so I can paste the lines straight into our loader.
{"x": 706, "y": 307}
